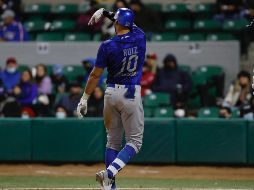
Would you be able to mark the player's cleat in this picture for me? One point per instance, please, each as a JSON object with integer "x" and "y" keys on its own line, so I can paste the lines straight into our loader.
{"x": 104, "y": 181}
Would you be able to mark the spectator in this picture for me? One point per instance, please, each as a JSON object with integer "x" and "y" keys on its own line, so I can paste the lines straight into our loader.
{"x": 10, "y": 76}
{"x": 58, "y": 79}
{"x": 2, "y": 91}
{"x": 12, "y": 31}
{"x": 225, "y": 112}
{"x": 239, "y": 95}
{"x": 27, "y": 113}
{"x": 147, "y": 79}
{"x": 2, "y": 7}
{"x": 14, "y": 5}
{"x": 151, "y": 60}
{"x": 228, "y": 9}
{"x": 145, "y": 18}
{"x": 10, "y": 107}
{"x": 248, "y": 11}
{"x": 83, "y": 19}
{"x": 171, "y": 80}
{"x": 26, "y": 92}
{"x": 61, "y": 113}
{"x": 247, "y": 34}
{"x": 69, "y": 102}
{"x": 43, "y": 80}
{"x": 95, "y": 103}
{"x": 88, "y": 65}
{"x": 108, "y": 29}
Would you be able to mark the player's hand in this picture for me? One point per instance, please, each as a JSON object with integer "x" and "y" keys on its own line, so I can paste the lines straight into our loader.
{"x": 82, "y": 108}
{"x": 96, "y": 17}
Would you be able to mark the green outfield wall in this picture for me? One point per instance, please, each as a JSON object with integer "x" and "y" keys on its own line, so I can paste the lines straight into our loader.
{"x": 185, "y": 141}
{"x": 250, "y": 143}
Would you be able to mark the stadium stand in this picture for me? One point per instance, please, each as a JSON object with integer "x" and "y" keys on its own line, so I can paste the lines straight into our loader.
{"x": 184, "y": 21}
{"x": 178, "y": 18}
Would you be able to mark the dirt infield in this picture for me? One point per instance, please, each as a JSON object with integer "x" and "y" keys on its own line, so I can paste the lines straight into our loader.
{"x": 133, "y": 171}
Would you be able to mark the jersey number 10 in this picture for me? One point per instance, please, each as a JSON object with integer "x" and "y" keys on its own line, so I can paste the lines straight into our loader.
{"x": 129, "y": 66}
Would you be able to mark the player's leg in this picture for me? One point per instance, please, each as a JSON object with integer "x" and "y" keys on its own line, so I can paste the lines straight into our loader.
{"x": 114, "y": 127}
{"x": 132, "y": 116}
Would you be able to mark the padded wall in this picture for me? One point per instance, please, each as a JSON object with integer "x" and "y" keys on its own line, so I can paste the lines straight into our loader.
{"x": 211, "y": 141}
{"x": 68, "y": 140}
{"x": 15, "y": 140}
{"x": 158, "y": 143}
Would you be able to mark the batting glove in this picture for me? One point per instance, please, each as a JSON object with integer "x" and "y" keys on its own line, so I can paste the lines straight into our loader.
{"x": 82, "y": 106}
{"x": 96, "y": 17}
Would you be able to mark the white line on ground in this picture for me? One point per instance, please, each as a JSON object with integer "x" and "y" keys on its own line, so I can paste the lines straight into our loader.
{"x": 120, "y": 189}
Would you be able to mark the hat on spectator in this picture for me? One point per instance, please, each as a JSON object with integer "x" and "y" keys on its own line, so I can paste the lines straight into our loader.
{"x": 8, "y": 13}
{"x": 152, "y": 55}
{"x": 28, "y": 111}
{"x": 170, "y": 58}
{"x": 89, "y": 60}
{"x": 11, "y": 60}
{"x": 57, "y": 69}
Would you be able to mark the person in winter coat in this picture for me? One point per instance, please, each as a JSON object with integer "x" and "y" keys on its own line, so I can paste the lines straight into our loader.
{"x": 26, "y": 92}
{"x": 171, "y": 80}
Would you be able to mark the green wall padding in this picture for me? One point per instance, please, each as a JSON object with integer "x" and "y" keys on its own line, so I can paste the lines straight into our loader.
{"x": 15, "y": 140}
{"x": 211, "y": 141}
{"x": 158, "y": 143}
{"x": 208, "y": 141}
{"x": 251, "y": 142}
{"x": 68, "y": 140}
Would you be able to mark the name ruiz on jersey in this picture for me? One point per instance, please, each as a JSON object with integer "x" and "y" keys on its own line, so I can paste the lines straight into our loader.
{"x": 130, "y": 51}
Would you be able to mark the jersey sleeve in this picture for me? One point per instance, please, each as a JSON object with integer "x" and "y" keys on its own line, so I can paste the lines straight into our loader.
{"x": 101, "y": 60}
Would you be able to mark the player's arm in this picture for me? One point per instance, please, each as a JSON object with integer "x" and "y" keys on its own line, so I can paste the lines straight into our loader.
{"x": 91, "y": 84}
{"x": 99, "y": 14}
{"x": 93, "y": 80}
{"x": 110, "y": 15}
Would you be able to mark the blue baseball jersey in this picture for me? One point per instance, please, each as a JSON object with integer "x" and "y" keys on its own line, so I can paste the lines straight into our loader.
{"x": 13, "y": 32}
{"x": 123, "y": 56}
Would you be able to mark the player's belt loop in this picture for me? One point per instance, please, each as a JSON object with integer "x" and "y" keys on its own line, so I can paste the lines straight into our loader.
{"x": 117, "y": 86}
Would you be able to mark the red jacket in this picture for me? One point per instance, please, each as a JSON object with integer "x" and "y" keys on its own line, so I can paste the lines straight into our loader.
{"x": 147, "y": 82}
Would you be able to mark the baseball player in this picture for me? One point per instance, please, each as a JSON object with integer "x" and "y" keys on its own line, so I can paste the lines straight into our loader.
{"x": 123, "y": 56}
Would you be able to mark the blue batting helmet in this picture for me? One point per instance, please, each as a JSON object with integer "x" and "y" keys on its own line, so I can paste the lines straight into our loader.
{"x": 125, "y": 17}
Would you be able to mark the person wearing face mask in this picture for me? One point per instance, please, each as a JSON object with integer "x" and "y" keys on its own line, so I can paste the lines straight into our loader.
{"x": 27, "y": 113}
{"x": 88, "y": 65}
{"x": 69, "y": 102}
{"x": 60, "y": 113}
{"x": 170, "y": 79}
{"x": 239, "y": 95}
{"x": 10, "y": 77}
